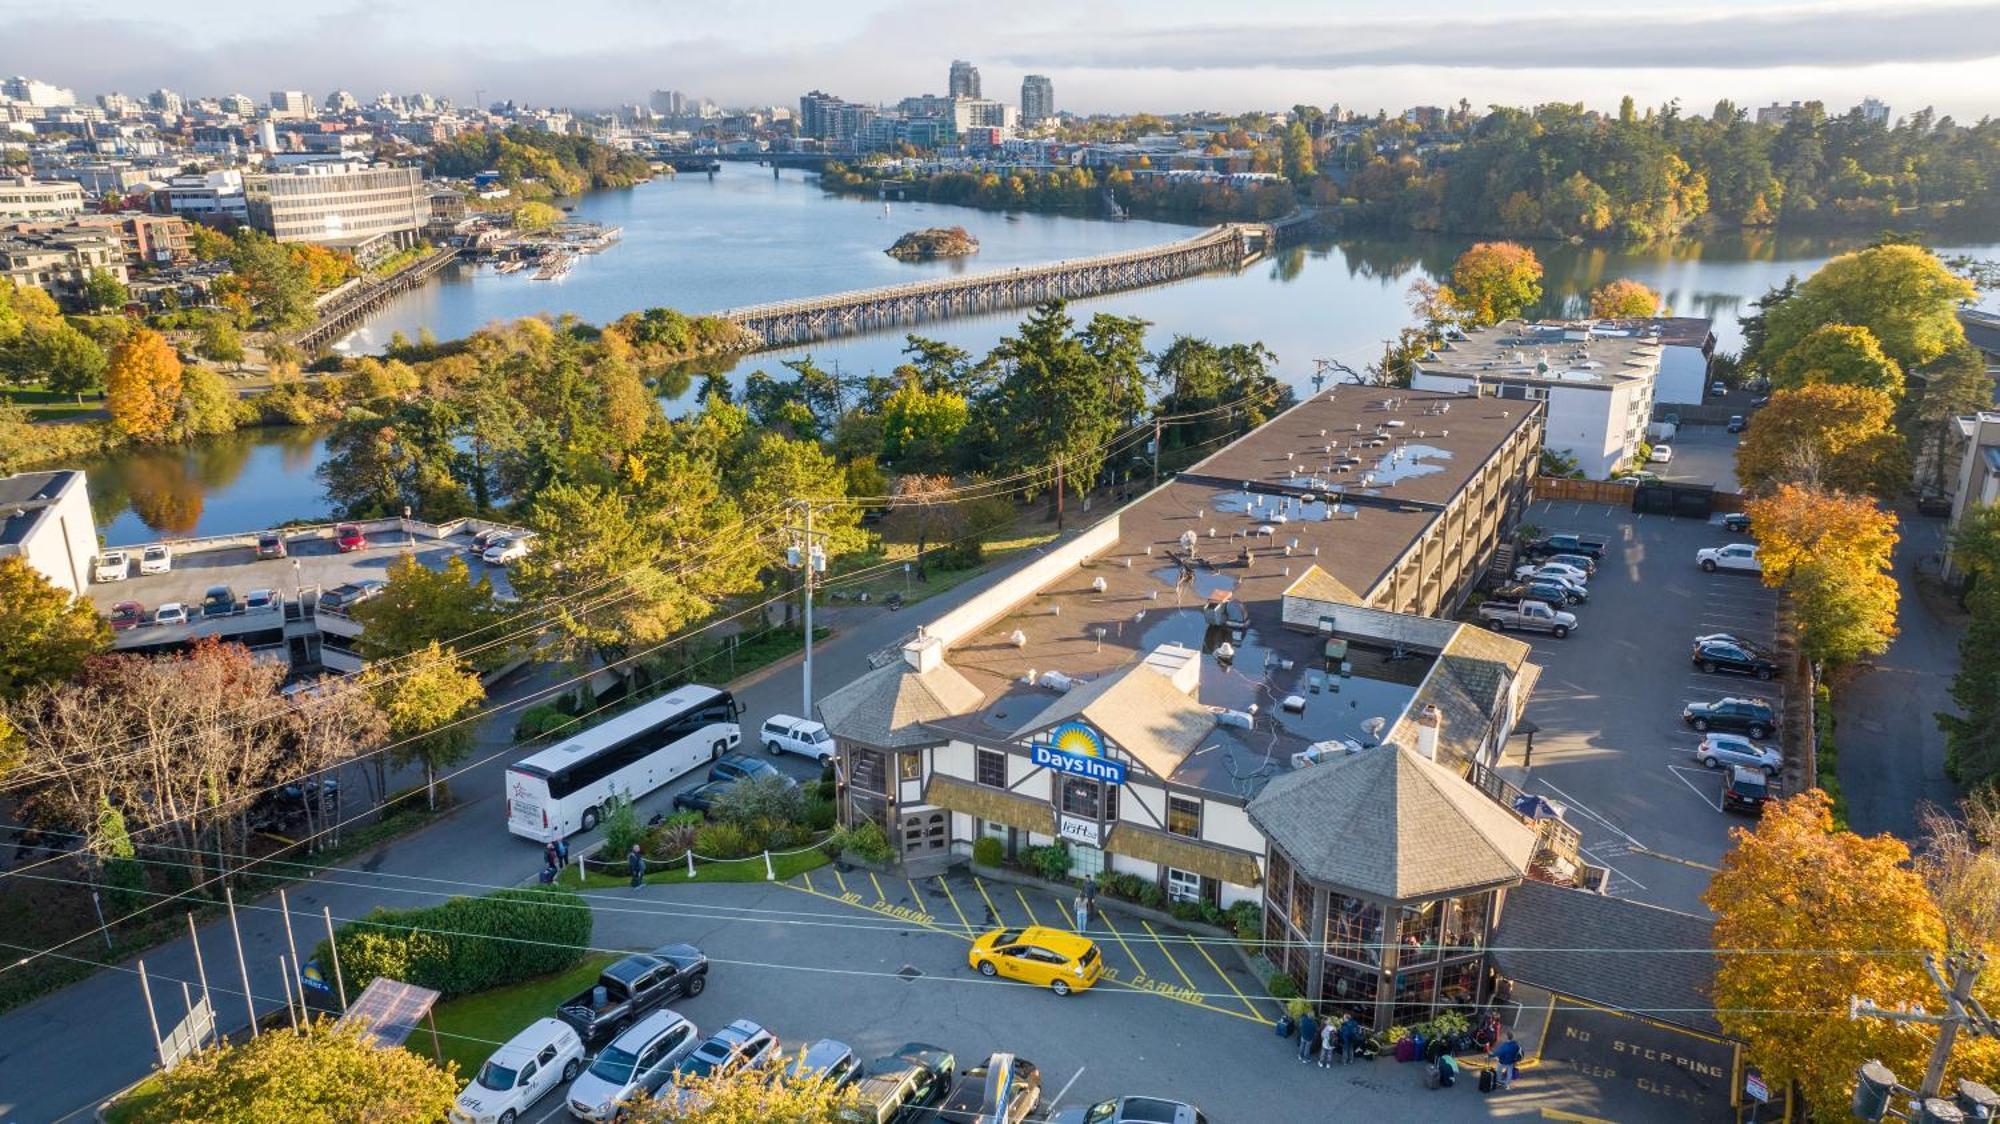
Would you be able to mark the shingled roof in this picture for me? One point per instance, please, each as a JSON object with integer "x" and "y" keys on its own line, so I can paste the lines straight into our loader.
{"x": 1468, "y": 685}
{"x": 1390, "y": 823}
{"x": 1140, "y": 710}
{"x": 1607, "y": 951}
{"x": 887, "y": 707}
{"x": 1318, "y": 585}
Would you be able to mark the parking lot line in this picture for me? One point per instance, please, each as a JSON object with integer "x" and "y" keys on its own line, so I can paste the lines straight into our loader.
{"x": 807, "y": 875}
{"x": 991, "y": 909}
{"x": 1032, "y": 919}
{"x": 916, "y": 896}
{"x": 1182, "y": 972}
{"x": 945, "y": 884}
{"x": 1136, "y": 966}
{"x": 1705, "y": 797}
{"x": 1067, "y": 919}
{"x": 1063, "y": 1092}
{"x": 841, "y": 881}
{"x": 879, "y": 895}
{"x": 1251, "y": 1007}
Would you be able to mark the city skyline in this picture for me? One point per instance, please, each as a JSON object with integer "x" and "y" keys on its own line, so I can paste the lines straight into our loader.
{"x": 1113, "y": 57}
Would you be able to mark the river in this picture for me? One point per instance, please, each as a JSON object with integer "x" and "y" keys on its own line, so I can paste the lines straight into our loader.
{"x": 702, "y": 244}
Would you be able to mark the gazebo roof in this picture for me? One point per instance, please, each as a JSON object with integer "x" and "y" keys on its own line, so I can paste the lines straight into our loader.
{"x": 886, "y": 708}
{"x": 1391, "y": 824}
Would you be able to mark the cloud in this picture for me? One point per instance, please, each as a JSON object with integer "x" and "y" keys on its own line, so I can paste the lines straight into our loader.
{"x": 1821, "y": 35}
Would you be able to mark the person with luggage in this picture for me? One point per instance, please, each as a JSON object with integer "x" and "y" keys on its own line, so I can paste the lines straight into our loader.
{"x": 1350, "y": 1038}
{"x": 1507, "y": 1061}
{"x": 1329, "y": 1041}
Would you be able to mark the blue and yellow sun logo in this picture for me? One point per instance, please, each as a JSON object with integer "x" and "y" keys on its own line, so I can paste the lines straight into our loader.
{"x": 1076, "y": 738}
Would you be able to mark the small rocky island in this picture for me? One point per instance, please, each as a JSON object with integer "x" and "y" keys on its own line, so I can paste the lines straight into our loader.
{"x": 936, "y": 242}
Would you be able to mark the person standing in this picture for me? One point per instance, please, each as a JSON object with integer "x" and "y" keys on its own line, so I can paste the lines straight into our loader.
{"x": 1329, "y": 1041}
{"x": 549, "y": 855}
{"x": 1508, "y": 1057}
{"x": 1350, "y": 1038}
{"x": 637, "y": 863}
{"x": 1308, "y": 1036}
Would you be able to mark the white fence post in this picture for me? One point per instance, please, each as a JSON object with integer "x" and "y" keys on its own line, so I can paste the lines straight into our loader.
{"x": 770, "y": 875}
{"x": 690, "y": 858}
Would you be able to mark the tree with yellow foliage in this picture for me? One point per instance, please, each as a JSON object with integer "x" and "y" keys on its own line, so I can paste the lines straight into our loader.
{"x": 323, "y": 1074}
{"x": 1833, "y": 553}
{"x": 1617, "y": 300}
{"x": 1807, "y": 916}
{"x": 1494, "y": 281}
{"x": 745, "y": 1096}
{"x": 1824, "y": 435}
{"x": 142, "y": 386}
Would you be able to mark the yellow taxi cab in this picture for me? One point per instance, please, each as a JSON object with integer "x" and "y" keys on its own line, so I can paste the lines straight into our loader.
{"x": 1053, "y": 958}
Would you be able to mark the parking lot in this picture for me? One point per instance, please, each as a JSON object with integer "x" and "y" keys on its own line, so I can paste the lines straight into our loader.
{"x": 1611, "y": 746}
{"x": 1703, "y": 454}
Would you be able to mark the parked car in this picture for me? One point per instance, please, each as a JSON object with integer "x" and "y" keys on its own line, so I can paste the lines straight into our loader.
{"x": 1718, "y": 388}
{"x": 486, "y": 538}
{"x": 1761, "y": 401}
{"x": 1574, "y": 561}
{"x": 127, "y": 614}
{"x": 1740, "y": 658}
{"x": 348, "y": 538}
{"x": 1542, "y": 589}
{"x": 1746, "y": 791}
{"x": 1132, "y": 1110}
{"x": 741, "y": 1045}
{"x": 701, "y": 798}
{"x": 1565, "y": 543}
{"x": 1754, "y": 717}
{"x": 734, "y": 767}
{"x": 1053, "y": 958}
{"x": 173, "y": 612}
{"x": 1737, "y": 522}
{"x": 1717, "y": 750}
{"x": 1003, "y": 1091}
{"x": 1526, "y": 616}
{"x": 901, "y": 1088}
{"x": 270, "y": 544}
{"x": 111, "y": 566}
{"x": 1569, "y": 575}
{"x": 520, "y": 1073}
{"x": 1634, "y": 479}
{"x": 783, "y": 733}
{"x": 1739, "y": 556}
{"x": 262, "y": 601}
{"x": 504, "y": 551}
{"x": 1737, "y": 424}
{"x": 640, "y": 1060}
{"x": 156, "y": 559}
{"x": 343, "y": 598}
{"x": 632, "y": 986}
{"x": 1660, "y": 454}
{"x": 219, "y": 601}
{"x": 826, "y": 1060}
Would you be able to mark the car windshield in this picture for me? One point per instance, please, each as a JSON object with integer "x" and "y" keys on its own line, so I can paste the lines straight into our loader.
{"x": 697, "y": 1065}
{"x": 1007, "y": 937}
{"x": 614, "y": 1065}
{"x": 1104, "y": 1110}
{"x": 497, "y": 1077}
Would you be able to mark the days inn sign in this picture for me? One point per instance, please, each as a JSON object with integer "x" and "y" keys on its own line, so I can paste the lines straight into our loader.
{"x": 1077, "y": 750}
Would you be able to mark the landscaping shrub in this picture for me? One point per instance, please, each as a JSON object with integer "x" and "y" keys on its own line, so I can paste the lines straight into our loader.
{"x": 1151, "y": 896}
{"x": 1185, "y": 911}
{"x": 771, "y": 799}
{"x": 466, "y": 944}
{"x": 1248, "y": 920}
{"x": 865, "y": 840}
{"x": 1281, "y": 986}
{"x": 621, "y": 826}
{"x": 1051, "y": 862}
{"x": 539, "y": 720}
{"x": 820, "y": 815}
{"x": 668, "y": 840}
{"x": 987, "y": 851}
{"x": 723, "y": 841}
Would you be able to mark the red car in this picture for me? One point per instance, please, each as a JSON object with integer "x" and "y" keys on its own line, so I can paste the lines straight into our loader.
{"x": 348, "y": 537}
{"x": 127, "y": 614}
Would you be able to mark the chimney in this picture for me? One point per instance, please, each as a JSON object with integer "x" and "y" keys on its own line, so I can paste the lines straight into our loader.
{"x": 924, "y": 652}
{"x": 1428, "y": 724}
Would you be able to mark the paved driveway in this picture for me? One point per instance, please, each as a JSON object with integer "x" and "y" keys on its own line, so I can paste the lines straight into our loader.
{"x": 1703, "y": 454}
{"x": 1612, "y": 746}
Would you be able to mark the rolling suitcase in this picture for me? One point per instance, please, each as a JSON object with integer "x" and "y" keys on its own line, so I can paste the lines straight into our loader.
{"x": 1489, "y": 1080}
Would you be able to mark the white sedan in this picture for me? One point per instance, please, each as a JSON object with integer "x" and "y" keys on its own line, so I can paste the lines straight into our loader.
{"x": 1568, "y": 575}
{"x": 1736, "y": 556}
{"x": 112, "y": 566}
{"x": 156, "y": 559}
{"x": 1661, "y": 454}
{"x": 520, "y": 1073}
{"x": 504, "y": 551}
{"x": 1718, "y": 750}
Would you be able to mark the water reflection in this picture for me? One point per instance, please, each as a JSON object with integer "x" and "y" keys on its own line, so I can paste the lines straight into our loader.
{"x": 236, "y": 482}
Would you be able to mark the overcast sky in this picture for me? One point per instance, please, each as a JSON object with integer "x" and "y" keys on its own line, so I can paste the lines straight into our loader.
{"x": 1104, "y": 55}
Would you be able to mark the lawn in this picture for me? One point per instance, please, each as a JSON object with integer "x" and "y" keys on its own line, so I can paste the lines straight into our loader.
{"x": 128, "y": 1106}
{"x": 472, "y": 1026}
{"x": 735, "y": 870}
{"x": 938, "y": 580}
{"x": 46, "y": 405}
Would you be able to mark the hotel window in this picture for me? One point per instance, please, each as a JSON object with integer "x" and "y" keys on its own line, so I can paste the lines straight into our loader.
{"x": 1184, "y": 817}
{"x": 1079, "y": 797}
{"x": 1111, "y": 802}
{"x": 991, "y": 768}
{"x": 909, "y": 767}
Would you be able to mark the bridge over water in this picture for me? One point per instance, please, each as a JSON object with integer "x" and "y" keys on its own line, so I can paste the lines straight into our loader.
{"x": 781, "y": 323}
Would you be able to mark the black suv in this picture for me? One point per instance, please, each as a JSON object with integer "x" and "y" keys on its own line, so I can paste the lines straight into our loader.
{"x": 1746, "y": 791}
{"x": 1754, "y": 717}
{"x": 1734, "y": 656}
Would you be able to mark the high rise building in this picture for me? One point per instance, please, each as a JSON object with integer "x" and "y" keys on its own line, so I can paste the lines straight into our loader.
{"x": 291, "y": 105}
{"x": 42, "y": 95}
{"x": 372, "y": 210}
{"x": 1873, "y": 111}
{"x": 964, "y": 79}
{"x": 668, "y": 103}
{"x": 1038, "y": 99}
{"x": 819, "y": 115}
{"x": 340, "y": 101}
{"x": 239, "y": 105}
{"x": 166, "y": 101}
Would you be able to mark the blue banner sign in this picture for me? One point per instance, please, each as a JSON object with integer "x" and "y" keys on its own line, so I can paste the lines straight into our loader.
{"x": 1077, "y": 750}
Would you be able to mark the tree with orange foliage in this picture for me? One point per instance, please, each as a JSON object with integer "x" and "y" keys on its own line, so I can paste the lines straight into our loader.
{"x": 1495, "y": 281}
{"x": 1824, "y": 435}
{"x": 1833, "y": 553}
{"x": 142, "y": 385}
{"x": 1807, "y": 916}
{"x": 1617, "y": 300}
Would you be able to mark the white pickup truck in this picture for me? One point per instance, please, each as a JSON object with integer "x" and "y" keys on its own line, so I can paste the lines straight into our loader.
{"x": 1527, "y": 616}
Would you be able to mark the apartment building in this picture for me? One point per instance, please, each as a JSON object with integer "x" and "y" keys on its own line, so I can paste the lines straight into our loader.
{"x": 24, "y": 198}
{"x": 60, "y": 259}
{"x": 1596, "y": 380}
{"x": 370, "y": 209}
{"x": 45, "y": 521}
{"x": 215, "y": 198}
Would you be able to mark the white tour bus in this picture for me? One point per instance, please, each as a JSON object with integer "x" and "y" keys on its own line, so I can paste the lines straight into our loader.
{"x": 562, "y": 789}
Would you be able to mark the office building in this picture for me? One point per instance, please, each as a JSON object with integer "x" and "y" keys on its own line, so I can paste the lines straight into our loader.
{"x": 964, "y": 81}
{"x": 36, "y": 93}
{"x": 1971, "y": 470}
{"x": 45, "y": 521}
{"x": 25, "y": 198}
{"x": 1775, "y": 114}
{"x": 215, "y": 198}
{"x": 1596, "y": 381}
{"x": 1873, "y": 111}
{"x": 340, "y": 101}
{"x": 291, "y": 105}
{"x": 1038, "y": 99}
{"x": 371, "y": 210}
{"x": 968, "y": 114}
{"x": 820, "y": 115}
{"x": 166, "y": 102}
{"x": 668, "y": 103}
{"x": 239, "y": 105}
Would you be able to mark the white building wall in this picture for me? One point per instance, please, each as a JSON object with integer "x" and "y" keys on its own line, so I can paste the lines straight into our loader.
{"x": 953, "y": 759}
{"x": 1025, "y": 778}
{"x": 1125, "y": 864}
{"x": 1229, "y": 826}
{"x": 1580, "y": 425}
{"x": 1683, "y": 379}
{"x": 1231, "y": 893}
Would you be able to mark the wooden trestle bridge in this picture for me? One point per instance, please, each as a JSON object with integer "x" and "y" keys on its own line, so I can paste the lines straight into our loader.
{"x": 780, "y": 323}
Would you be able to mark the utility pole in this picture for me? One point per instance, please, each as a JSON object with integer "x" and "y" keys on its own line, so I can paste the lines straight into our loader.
{"x": 809, "y": 559}
{"x": 1875, "y": 1083}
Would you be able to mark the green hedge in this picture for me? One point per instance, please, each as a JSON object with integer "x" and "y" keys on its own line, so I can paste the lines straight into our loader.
{"x": 466, "y": 944}
{"x": 1826, "y": 759}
